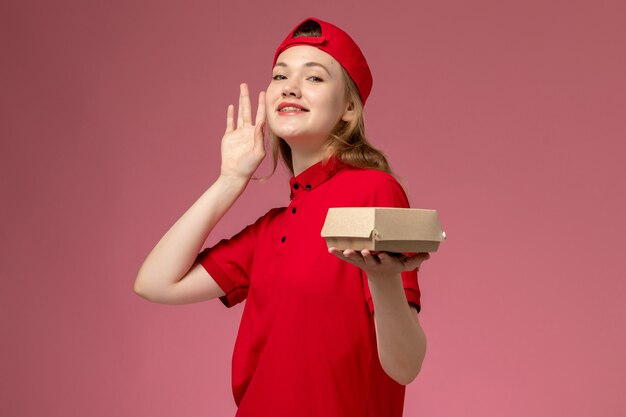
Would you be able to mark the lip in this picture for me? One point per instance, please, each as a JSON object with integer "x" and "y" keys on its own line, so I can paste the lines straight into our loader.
{"x": 289, "y": 104}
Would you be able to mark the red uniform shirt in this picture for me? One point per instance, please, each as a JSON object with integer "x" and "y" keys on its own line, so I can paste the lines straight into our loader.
{"x": 307, "y": 344}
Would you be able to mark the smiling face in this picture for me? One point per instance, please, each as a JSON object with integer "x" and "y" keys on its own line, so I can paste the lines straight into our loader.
{"x": 306, "y": 97}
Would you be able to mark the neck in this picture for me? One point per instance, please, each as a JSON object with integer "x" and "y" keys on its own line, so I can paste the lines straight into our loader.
{"x": 303, "y": 160}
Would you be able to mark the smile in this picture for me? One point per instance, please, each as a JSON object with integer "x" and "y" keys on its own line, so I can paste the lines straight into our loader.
{"x": 290, "y": 108}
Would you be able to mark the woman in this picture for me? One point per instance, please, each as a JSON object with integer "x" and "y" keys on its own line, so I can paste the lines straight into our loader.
{"x": 309, "y": 343}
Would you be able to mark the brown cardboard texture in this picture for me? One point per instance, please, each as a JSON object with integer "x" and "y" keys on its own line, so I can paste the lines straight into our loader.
{"x": 398, "y": 230}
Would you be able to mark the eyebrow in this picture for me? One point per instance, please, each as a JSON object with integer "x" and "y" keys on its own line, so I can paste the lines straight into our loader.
{"x": 308, "y": 64}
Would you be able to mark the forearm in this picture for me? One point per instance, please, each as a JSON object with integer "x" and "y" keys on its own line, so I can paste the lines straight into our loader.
{"x": 400, "y": 339}
{"x": 175, "y": 253}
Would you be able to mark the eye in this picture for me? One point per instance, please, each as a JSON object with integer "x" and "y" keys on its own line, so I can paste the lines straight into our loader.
{"x": 315, "y": 79}
{"x": 278, "y": 77}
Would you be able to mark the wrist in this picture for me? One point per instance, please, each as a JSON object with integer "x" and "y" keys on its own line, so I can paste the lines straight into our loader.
{"x": 389, "y": 279}
{"x": 231, "y": 185}
{"x": 233, "y": 179}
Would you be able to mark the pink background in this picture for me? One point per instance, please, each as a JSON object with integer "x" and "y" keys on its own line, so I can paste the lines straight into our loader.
{"x": 507, "y": 117}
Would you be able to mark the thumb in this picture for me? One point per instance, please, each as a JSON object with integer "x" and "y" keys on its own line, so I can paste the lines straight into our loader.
{"x": 259, "y": 135}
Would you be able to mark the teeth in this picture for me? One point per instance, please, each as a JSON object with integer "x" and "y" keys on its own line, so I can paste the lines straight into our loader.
{"x": 290, "y": 109}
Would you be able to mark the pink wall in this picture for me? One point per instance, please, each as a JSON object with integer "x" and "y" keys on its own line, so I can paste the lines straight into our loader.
{"x": 507, "y": 117}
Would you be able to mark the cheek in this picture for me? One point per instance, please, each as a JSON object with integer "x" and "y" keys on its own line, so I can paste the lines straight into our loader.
{"x": 333, "y": 102}
{"x": 335, "y": 112}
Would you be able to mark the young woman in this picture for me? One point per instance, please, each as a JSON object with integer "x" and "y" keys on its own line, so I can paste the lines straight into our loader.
{"x": 323, "y": 332}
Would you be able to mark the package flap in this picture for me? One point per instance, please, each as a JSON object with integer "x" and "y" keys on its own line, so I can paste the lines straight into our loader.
{"x": 407, "y": 224}
{"x": 349, "y": 222}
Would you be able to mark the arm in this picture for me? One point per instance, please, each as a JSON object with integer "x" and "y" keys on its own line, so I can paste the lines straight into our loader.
{"x": 167, "y": 274}
{"x": 400, "y": 339}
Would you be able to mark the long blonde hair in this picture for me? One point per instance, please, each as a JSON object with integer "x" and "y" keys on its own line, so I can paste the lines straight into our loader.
{"x": 347, "y": 142}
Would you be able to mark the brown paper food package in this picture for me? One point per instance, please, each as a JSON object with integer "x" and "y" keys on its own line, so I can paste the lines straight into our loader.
{"x": 398, "y": 230}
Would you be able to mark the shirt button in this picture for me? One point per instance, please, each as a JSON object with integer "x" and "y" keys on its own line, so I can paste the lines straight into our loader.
{"x": 308, "y": 186}
{"x": 293, "y": 210}
{"x": 283, "y": 239}
{"x": 296, "y": 186}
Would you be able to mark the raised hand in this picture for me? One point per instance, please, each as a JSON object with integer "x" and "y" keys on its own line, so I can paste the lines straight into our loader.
{"x": 243, "y": 147}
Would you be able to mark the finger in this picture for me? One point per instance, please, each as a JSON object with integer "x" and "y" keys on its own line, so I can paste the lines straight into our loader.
{"x": 420, "y": 257}
{"x": 425, "y": 258}
{"x": 259, "y": 136}
{"x": 336, "y": 252}
{"x": 385, "y": 257}
{"x": 259, "y": 124}
{"x": 258, "y": 146}
{"x": 245, "y": 104}
{"x": 415, "y": 261}
{"x": 230, "y": 115}
{"x": 339, "y": 254}
{"x": 369, "y": 258}
{"x": 239, "y": 109}
{"x": 354, "y": 256}
{"x": 260, "y": 111}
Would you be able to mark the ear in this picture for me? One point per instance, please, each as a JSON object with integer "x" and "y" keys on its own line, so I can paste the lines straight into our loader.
{"x": 349, "y": 113}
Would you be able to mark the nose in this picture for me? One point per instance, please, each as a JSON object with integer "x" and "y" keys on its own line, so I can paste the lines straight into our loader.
{"x": 291, "y": 88}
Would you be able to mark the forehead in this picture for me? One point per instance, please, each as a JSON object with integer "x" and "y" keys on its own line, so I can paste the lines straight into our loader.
{"x": 302, "y": 54}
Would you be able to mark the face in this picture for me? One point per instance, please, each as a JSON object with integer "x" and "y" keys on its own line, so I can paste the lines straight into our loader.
{"x": 306, "y": 97}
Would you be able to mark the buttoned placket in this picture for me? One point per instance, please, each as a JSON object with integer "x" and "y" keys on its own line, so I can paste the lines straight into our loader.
{"x": 297, "y": 196}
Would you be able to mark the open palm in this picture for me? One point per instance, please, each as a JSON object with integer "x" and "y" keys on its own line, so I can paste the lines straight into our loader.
{"x": 243, "y": 147}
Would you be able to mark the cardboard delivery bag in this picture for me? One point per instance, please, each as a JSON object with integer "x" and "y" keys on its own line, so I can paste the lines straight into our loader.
{"x": 383, "y": 229}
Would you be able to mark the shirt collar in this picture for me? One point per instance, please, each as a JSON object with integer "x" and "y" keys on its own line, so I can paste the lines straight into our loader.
{"x": 314, "y": 176}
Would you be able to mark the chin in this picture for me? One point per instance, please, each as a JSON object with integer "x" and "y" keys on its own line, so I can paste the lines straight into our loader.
{"x": 305, "y": 144}
{"x": 288, "y": 134}
{"x": 281, "y": 129}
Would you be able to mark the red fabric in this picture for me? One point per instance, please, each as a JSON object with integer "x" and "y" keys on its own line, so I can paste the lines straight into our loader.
{"x": 307, "y": 344}
{"x": 338, "y": 44}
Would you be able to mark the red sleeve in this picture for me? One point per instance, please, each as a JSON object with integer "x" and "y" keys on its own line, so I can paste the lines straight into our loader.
{"x": 229, "y": 263}
{"x": 389, "y": 193}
